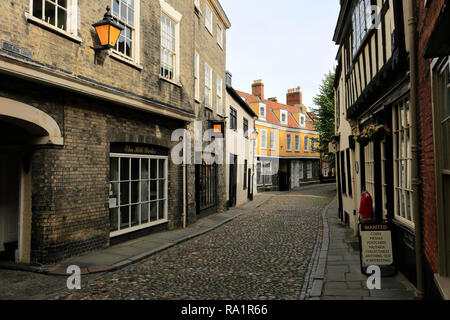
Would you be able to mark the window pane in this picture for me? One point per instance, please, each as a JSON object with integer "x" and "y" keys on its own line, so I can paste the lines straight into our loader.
{"x": 62, "y": 3}
{"x": 144, "y": 169}
{"x": 124, "y": 169}
{"x": 145, "y": 212}
{"x": 135, "y": 215}
{"x": 135, "y": 169}
{"x": 153, "y": 189}
{"x": 123, "y": 11}
{"x": 162, "y": 192}
{"x": 116, "y": 7}
{"x": 124, "y": 193}
{"x": 135, "y": 192}
{"x": 162, "y": 205}
{"x": 130, "y": 17}
{"x": 162, "y": 168}
{"x": 124, "y": 217}
{"x": 153, "y": 211}
{"x": 153, "y": 168}
{"x": 145, "y": 191}
{"x": 37, "y": 9}
{"x": 50, "y": 12}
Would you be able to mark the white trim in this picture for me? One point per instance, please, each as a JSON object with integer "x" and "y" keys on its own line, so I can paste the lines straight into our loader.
{"x": 52, "y": 28}
{"x": 170, "y": 11}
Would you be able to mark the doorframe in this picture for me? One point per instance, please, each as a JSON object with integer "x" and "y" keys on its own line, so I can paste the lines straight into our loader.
{"x": 23, "y": 152}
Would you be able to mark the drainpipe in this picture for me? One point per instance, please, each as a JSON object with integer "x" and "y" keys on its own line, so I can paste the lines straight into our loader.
{"x": 185, "y": 153}
{"x": 416, "y": 182}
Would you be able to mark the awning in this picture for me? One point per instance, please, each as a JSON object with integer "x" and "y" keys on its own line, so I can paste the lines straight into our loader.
{"x": 439, "y": 43}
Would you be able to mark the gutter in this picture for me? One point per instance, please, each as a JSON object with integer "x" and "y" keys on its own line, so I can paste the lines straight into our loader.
{"x": 416, "y": 182}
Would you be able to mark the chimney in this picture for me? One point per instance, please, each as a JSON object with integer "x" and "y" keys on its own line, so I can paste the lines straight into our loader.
{"x": 294, "y": 97}
{"x": 274, "y": 99}
{"x": 258, "y": 89}
{"x": 228, "y": 79}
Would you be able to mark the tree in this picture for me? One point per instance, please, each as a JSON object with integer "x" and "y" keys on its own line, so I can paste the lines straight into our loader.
{"x": 324, "y": 121}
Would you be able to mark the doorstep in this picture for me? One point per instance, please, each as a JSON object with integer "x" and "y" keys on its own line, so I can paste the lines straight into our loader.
{"x": 122, "y": 255}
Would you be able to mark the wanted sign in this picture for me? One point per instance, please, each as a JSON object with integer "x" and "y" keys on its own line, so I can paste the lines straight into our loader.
{"x": 376, "y": 244}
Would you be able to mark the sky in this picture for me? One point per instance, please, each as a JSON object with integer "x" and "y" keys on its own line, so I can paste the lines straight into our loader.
{"x": 286, "y": 43}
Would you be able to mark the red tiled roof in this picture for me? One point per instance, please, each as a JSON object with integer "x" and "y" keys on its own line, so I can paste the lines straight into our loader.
{"x": 272, "y": 118}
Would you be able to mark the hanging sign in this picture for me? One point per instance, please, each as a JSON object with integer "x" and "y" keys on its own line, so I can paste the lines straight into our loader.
{"x": 376, "y": 244}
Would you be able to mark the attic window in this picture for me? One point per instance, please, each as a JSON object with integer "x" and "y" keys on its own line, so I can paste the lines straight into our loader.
{"x": 302, "y": 121}
{"x": 283, "y": 117}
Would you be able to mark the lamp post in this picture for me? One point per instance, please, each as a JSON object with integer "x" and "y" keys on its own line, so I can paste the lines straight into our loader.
{"x": 108, "y": 30}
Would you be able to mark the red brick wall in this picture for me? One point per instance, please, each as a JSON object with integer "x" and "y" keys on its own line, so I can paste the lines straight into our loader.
{"x": 426, "y": 21}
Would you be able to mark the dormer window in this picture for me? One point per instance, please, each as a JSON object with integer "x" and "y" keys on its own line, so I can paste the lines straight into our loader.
{"x": 262, "y": 111}
{"x": 284, "y": 117}
{"x": 302, "y": 121}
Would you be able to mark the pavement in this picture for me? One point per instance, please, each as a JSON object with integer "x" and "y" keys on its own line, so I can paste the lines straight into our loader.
{"x": 335, "y": 271}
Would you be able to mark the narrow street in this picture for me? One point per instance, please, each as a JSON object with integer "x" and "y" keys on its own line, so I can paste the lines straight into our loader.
{"x": 263, "y": 254}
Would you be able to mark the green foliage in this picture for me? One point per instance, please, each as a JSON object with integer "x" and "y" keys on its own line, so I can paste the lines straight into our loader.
{"x": 324, "y": 115}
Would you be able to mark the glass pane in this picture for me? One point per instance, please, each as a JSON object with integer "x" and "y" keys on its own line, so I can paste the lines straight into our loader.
{"x": 162, "y": 168}
{"x": 124, "y": 169}
{"x": 135, "y": 215}
{"x": 162, "y": 211}
{"x": 121, "y": 44}
{"x": 50, "y": 13}
{"x": 37, "y": 8}
{"x": 162, "y": 189}
{"x": 114, "y": 191}
{"x": 116, "y": 8}
{"x": 135, "y": 165}
{"x": 123, "y": 11}
{"x": 153, "y": 190}
{"x": 144, "y": 169}
{"x": 145, "y": 213}
{"x": 144, "y": 191}
{"x": 153, "y": 168}
{"x": 135, "y": 192}
{"x": 124, "y": 217}
{"x": 124, "y": 193}
{"x": 113, "y": 219}
{"x": 62, "y": 3}
{"x": 130, "y": 17}
{"x": 114, "y": 169}
{"x": 128, "y": 48}
{"x": 153, "y": 211}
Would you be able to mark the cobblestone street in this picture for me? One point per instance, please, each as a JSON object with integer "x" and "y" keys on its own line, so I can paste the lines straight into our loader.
{"x": 263, "y": 254}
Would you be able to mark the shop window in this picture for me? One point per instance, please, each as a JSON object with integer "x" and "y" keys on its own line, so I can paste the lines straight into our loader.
{"x": 137, "y": 192}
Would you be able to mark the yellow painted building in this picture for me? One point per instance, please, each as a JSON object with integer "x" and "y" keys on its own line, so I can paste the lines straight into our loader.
{"x": 287, "y": 140}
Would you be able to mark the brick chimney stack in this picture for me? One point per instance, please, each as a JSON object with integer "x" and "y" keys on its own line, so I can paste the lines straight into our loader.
{"x": 258, "y": 88}
{"x": 294, "y": 97}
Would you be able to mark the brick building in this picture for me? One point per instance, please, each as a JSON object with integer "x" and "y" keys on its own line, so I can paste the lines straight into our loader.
{"x": 433, "y": 99}
{"x": 86, "y": 134}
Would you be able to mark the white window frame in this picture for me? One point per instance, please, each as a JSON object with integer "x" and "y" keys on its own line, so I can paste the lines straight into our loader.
{"x": 302, "y": 121}
{"x": 168, "y": 11}
{"x": 141, "y": 226}
{"x": 219, "y": 99}
{"x": 208, "y": 100}
{"x": 196, "y": 76}
{"x": 272, "y": 140}
{"x": 306, "y": 144}
{"x": 285, "y": 114}
{"x": 289, "y": 142}
{"x": 264, "y": 172}
{"x": 263, "y": 141}
{"x": 262, "y": 106}
{"x": 403, "y": 211}
{"x": 309, "y": 170}
{"x": 209, "y": 18}
{"x": 73, "y": 20}
{"x": 135, "y": 35}
{"x": 297, "y": 143}
{"x": 219, "y": 36}
{"x": 197, "y": 5}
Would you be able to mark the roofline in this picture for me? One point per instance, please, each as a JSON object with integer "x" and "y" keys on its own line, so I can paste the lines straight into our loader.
{"x": 241, "y": 102}
{"x": 221, "y": 13}
{"x": 341, "y": 21}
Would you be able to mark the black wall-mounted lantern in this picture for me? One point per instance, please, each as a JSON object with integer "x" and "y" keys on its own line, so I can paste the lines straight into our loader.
{"x": 108, "y": 30}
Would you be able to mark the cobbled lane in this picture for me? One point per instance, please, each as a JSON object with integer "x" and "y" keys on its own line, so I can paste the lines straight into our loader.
{"x": 263, "y": 254}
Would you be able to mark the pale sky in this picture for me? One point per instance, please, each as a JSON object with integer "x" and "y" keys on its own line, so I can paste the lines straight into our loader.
{"x": 286, "y": 43}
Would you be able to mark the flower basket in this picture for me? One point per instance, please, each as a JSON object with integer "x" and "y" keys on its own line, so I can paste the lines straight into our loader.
{"x": 373, "y": 132}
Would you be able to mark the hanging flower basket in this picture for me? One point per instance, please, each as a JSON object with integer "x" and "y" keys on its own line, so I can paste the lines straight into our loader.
{"x": 373, "y": 132}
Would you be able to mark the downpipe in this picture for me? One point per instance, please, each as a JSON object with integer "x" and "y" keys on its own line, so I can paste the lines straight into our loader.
{"x": 416, "y": 182}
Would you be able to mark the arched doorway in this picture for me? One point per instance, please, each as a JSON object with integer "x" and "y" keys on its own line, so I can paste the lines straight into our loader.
{"x": 21, "y": 127}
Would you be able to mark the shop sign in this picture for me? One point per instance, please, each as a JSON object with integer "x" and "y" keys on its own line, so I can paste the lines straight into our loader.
{"x": 376, "y": 243}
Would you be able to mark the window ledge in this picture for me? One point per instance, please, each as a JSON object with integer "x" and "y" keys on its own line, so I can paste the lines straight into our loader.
{"x": 178, "y": 84}
{"x": 443, "y": 284}
{"x": 52, "y": 28}
{"x": 119, "y": 58}
{"x": 209, "y": 108}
